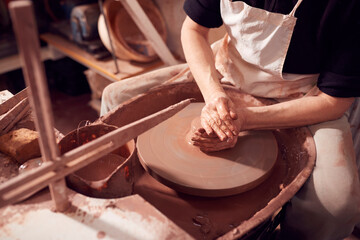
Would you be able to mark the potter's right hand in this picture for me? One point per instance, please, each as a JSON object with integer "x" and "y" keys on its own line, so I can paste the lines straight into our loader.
{"x": 211, "y": 143}
{"x": 218, "y": 116}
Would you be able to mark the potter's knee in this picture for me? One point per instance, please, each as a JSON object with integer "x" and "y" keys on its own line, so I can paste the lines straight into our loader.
{"x": 314, "y": 219}
{"x": 105, "y": 95}
{"x": 106, "y": 92}
{"x": 106, "y": 99}
{"x": 116, "y": 93}
{"x": 342, "y": 209}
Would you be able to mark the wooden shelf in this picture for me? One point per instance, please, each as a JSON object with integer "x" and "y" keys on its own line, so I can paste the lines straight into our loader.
{"x": 106, "y": 67}
{"x": 12, "y": 62}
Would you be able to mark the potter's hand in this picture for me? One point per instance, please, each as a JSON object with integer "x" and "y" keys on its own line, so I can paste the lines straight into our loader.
{"x": 218, "y": 117}
{"x": 211, "y": 143}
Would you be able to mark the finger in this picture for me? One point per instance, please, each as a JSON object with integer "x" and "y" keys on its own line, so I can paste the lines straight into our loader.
{"x": 233, "y": 115}
{"x": 229, "y": 122}
{"x": 205, "y": 125}
{"x": 232, "y": 127}
{"x": 224, "y": 113}
{"x": 219, "y": 132}
{"x": 210, "y": 118}
{"x": 232, "y": 111}
{"x": 204, "y": 140}
{"x": 216, "y": 124}
{"x": 223, "y": 110}
{"x": 212, "y": 135}
{"x": 205, "y": 135}
{"x": 215, "y": 146}
{"x": 215, "y": 128}
{"x": 207, "y": 147}
{"x": 216, "y": 117}
{"x": 227, "y": 130}
{"x": 201, "y": 130}
{"x": 212, "y": 148}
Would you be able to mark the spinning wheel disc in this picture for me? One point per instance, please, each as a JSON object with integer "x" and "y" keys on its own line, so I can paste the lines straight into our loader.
{"x": 165, "y": 153}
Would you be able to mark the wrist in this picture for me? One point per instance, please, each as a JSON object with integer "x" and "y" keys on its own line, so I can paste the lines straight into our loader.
{"x": 214, "y": 94}
{"x": 242, "y": 119}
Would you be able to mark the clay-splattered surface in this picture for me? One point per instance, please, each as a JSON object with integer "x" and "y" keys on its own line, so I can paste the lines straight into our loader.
{"x": 8, "y": 168}
{"x": 88, "y": 218}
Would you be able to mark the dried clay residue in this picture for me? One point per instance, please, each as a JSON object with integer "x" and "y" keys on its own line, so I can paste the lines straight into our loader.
{"x": 101, "y": 235}
{"x": 203, "y": 222}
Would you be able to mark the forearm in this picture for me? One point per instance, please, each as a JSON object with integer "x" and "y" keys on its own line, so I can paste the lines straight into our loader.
{"x": 199, "y": 57}
{"x": 294, "y": 113}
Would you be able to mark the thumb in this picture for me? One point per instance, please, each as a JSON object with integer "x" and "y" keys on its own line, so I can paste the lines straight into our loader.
{"x": 233, "y": 115}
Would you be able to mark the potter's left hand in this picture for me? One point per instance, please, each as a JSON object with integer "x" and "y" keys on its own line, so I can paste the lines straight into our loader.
{"x": 211, "y": 143}
{"x": 218, "y": 116}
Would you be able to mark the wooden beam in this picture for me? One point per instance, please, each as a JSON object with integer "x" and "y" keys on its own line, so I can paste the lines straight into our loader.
{"x": 17, "y": 118}
{"x": 9, "y": 117}
{"x": 25, "y": 29}
{"x": 11, "y": 102}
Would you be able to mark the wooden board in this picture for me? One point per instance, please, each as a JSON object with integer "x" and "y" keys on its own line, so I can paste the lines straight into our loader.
{"x": 168, "y": 156}
{"x": 104, "y": 67}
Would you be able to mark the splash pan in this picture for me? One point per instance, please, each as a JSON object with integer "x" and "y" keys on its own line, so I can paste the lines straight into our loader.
{"x": 108, "y": 177}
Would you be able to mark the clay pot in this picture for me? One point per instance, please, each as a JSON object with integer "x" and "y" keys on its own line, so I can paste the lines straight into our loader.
{"x": 128, "y": 41}
{"x": 108, "y": 177}
{"x": 242, "y": 216}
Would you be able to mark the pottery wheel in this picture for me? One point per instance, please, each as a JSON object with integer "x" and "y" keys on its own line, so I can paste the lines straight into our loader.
{"x": 167, "y": 155}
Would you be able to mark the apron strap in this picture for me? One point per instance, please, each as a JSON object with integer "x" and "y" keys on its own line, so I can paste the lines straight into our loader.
{"x": 292, "y": 13}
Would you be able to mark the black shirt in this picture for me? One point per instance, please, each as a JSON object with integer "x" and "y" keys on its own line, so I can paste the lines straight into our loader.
{"x": 326, "y": 38}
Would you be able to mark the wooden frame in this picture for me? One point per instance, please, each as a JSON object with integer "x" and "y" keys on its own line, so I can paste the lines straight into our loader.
{"x": 56, "y": 167}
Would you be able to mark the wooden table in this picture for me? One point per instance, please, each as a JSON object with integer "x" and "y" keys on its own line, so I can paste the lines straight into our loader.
{"x": 105, "y": 67}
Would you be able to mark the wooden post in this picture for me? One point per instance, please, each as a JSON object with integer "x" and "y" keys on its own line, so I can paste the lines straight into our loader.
{"x": 33, "y": 70}
{"x": 147, "y": 28}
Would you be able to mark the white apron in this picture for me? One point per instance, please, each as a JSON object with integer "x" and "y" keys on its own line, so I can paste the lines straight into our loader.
{"x": 251, "y": 57}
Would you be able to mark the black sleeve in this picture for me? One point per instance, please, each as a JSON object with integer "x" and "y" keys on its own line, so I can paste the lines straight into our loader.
{"x": 340, "y": 75}
{"x": 204, "y": 12}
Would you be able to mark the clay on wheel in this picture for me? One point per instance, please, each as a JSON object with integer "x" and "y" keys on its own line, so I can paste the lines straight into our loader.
{"x": 165, "y": 152}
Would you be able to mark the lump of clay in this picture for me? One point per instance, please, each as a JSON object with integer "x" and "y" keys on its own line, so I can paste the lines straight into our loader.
{"x": 21, "y": 144}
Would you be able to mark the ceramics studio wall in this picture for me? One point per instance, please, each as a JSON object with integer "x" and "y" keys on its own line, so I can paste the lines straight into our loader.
{"x": 174, "y": 15}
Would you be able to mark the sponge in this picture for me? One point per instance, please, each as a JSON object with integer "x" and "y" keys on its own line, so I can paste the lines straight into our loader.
{"x": 21, "y": 144}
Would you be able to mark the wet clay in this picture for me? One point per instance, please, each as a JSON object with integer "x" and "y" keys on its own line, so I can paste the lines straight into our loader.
{"x": 167, "y": 153}
{"x": 101, "y": 169}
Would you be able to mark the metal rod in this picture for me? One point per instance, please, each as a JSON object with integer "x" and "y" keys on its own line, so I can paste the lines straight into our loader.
{"x": 108, "y": 32}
